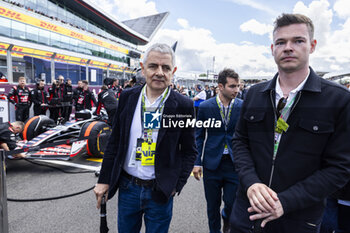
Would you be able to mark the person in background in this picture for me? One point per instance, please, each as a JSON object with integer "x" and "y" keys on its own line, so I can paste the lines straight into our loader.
{"x": 67, "y": 100}
{"x": 199, "y": 98}
{"x": 208, "y": 92}
{"x": 20, "y": 96}
{"x": 215, "y": 151}
{"x": 39, "y": 98}
{"x": 116, "y": 88}
{"x": 86, "y": 98}
{"x": 107, "y": 100}
{"x": 54, "y": 101}
{"x": 8, "y": 132}
{"x": 76, "y": 93}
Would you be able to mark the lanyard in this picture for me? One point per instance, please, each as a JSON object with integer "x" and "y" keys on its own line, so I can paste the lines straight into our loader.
{"x": 284, "y": 116}
{"x": 147, "y": 134}
{"x": 225, "y": 117}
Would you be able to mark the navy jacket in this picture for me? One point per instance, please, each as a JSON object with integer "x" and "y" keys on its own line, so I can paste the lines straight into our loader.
{"x": 175, "y": 148}
{"x": 211, "y": 142}
{"x": 313, "y": 159}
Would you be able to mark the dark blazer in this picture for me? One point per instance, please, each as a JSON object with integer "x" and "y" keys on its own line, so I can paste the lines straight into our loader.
{"x": 175, "y": 149}
{"x": 216, "y": 138}
{"x": 313, "y": 158}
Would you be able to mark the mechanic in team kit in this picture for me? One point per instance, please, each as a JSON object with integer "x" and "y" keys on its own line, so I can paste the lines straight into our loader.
{"x": 8, "y": 132}
{"x": 67, "y": 100}
{"x": 86, "y": 98}
{"x": 39, "y": 98}
{"x": 106, "y": 99}
{"x": 20, "y": 96}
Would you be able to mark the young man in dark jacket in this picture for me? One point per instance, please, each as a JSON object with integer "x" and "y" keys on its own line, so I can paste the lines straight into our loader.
{"x": 291, "y": 142}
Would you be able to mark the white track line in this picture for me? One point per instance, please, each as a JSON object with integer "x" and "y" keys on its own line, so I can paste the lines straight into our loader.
{"x": 69, "y": 164}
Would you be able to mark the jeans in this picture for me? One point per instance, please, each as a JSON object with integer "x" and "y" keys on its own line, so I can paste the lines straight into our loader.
{"x": 135, "y": 201}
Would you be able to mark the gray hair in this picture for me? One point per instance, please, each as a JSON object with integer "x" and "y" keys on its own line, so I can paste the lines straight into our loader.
{"x": 161, "y": 48}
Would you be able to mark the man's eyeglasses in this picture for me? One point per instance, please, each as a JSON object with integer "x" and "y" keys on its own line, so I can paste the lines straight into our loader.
{"x": 280, "y": 106}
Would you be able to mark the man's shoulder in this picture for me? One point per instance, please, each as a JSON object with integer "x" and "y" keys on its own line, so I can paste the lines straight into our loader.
{"x": 238, "y": 102}
{"x": 335, "y": 87}
{"x": 211, "y": 102}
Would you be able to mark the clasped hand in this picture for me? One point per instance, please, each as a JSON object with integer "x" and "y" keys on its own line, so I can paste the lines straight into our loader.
{"x": 264, "y": 203}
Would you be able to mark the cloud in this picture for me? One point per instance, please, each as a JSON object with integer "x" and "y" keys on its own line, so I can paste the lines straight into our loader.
{"x": 342, "y": 8}
{"x": 255, "y": 5}
{"x": 197, "y": 47}
{"x": 321, "y": 15}
{"x": 183, "y": 23}
{"x": 126, "y": 9}
{"x": 256, "y": 27}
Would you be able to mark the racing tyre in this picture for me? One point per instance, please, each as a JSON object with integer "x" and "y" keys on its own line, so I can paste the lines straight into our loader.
{"x": 35, "y": 126}
{"x": 98, "y": 133}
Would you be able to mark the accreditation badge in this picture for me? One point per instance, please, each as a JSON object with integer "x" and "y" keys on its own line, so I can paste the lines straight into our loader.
{"x": 148, "y": 153}
{"x": 281, "y": 126}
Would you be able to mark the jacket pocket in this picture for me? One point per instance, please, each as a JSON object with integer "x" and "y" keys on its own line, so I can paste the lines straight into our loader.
{"x": 316, "y": 127}
{"x": 256, "y": 126}
{"x": 312, "y": 136}
{"x": 254, "y": 117}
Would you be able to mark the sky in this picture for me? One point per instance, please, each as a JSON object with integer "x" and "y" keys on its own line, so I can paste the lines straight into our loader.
{"x": 237, "y": 34}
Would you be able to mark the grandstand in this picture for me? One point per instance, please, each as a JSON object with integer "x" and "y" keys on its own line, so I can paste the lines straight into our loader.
{"x": 76, "y": 39}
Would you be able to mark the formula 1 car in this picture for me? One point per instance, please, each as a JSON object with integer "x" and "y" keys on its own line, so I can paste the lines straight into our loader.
{"x": 86, "y": 134}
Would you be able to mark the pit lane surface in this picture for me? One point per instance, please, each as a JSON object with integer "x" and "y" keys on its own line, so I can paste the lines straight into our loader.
{"x": 78, "y": 214}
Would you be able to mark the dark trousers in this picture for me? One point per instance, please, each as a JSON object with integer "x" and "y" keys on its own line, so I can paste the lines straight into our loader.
{"x": 67, "y": 110}
{"x": 343, "y": 219}
{"x": 222, "y": 180}
{"x": 54, "y": 113}
{"x": 111, "y": 116}
{"x": 22, "y": 112}
{"x": 240, "y": 222}
{"x": 336, "y": 217}
{"x": 38, "y": 110}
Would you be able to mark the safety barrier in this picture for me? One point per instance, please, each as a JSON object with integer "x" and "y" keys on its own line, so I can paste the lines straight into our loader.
{"x": 3, "y": 195}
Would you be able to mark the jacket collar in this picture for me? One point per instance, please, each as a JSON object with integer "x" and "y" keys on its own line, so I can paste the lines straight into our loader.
{"x": 312, "y": 84}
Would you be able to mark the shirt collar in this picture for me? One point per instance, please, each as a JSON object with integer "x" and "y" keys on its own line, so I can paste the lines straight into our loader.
{"x": 221, "y": 104}
{"x": 279, "y": 91}
{"x": 159, "y": 98}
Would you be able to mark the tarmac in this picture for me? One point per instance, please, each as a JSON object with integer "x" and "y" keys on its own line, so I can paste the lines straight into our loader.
{"x": 78, "y": 214}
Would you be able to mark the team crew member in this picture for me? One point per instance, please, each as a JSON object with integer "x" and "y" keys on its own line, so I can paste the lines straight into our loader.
{"x": 54, "y": 101}
{"x": 76, "y": 93}
{"x": 149, "y": 166}
{"x": 291, "y": 141}
{"x": 107, "y": 100}
{"x": 67, "y": 100}
{"x": 116, "y": 88}
{"x": 39, "y": 98}
{"x": 219, "y": 174}
{"x": 8, "y": 133}
{"x": 20, "y": 96}
{"x": 86, "y": 98}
